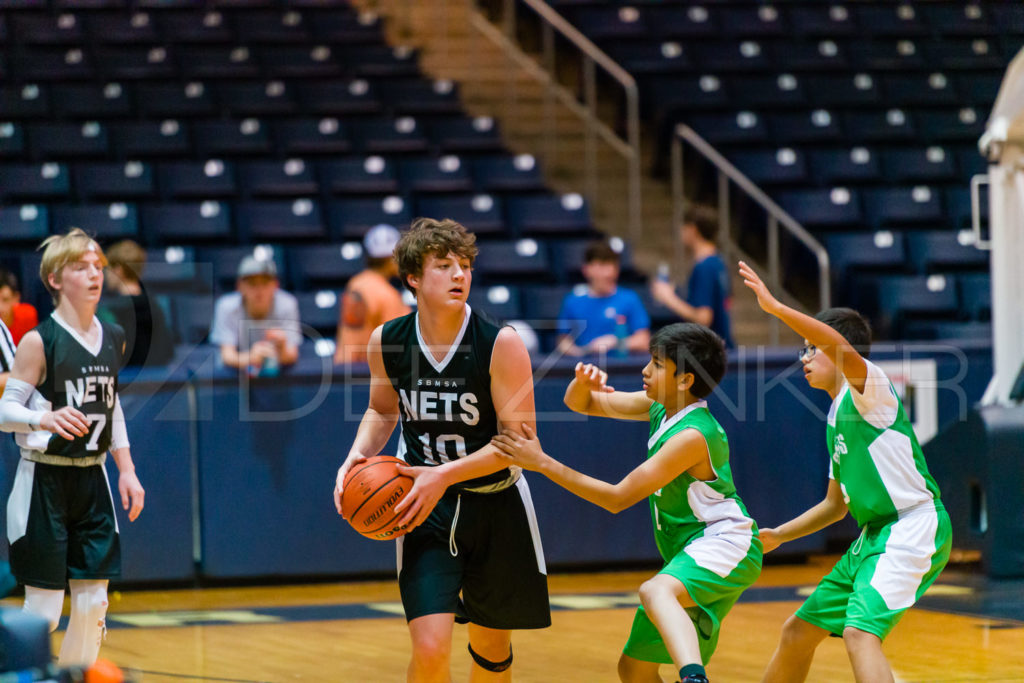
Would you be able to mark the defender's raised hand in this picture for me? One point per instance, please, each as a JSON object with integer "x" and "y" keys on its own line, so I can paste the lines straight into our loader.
{"x": 593, "y": 378}
{"x": 765, "y": 299}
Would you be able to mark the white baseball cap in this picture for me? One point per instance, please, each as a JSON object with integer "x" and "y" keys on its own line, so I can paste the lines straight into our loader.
{"x": 380, "y": 240}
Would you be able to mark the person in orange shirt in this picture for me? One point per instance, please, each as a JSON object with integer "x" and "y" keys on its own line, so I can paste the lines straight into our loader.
{"x": 19, "y": 317}
{"x": 369, "y": 299}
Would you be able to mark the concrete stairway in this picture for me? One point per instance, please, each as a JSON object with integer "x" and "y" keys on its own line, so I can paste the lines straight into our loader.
{"x": 456, "y": 43}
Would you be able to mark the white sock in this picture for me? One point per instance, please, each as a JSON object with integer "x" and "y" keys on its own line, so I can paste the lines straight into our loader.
{"x": 87, "y": 624}
{"x": 44, "y": 603}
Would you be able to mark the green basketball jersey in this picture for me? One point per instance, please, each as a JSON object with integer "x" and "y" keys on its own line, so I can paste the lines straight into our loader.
{"x": 446, "y": 406}
{"x": 688, "y": 508}
{"x": 84, "y": 378}
{"x": 875, "y": 455}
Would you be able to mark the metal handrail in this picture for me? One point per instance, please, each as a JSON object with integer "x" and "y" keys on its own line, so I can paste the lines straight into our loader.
{"x": 776, "y": 215}
{"x": 592, "y": 56}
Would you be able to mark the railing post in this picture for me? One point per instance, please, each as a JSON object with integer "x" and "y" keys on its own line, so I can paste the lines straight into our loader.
{"x": 678, "y": 196}
{"x": 635, "y": 187}
{"x": 548, "y": 58}
{"x": 724, "y": 237}
{"x": 773, "y": 269}
{"x": 590, "y": 140}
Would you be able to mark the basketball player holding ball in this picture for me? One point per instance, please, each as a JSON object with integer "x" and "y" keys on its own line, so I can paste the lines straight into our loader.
{"x": 454, "y": 378}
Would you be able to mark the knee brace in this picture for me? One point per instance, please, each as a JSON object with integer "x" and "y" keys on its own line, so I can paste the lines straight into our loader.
{"x": 493, "y": 667}
{"x": 87, "y": 624}
{"x": 44, "y": 603}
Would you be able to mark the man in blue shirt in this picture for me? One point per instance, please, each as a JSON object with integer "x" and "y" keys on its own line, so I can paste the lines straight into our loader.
{"x": 709, "y": 290}
{"x": 587, "y": 322}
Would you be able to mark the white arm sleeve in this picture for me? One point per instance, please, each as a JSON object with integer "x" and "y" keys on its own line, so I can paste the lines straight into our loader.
{"x": 118, "y": 430}
{"x": 14, "y": 416}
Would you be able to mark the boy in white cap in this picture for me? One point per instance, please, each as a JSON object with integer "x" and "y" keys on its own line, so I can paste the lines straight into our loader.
{"x": 257, "y": 326}
{"x": 369, "y": 300}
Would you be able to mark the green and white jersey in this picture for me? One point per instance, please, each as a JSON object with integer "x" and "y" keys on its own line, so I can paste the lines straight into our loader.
{"x": 875, "y": 455}
{"x": 687, "y": 508}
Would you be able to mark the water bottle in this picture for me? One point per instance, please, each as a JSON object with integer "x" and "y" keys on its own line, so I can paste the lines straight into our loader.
{"x": 270, "y": 367}
{"x": 663, "y": 272}
{"x": 621, "y": 333}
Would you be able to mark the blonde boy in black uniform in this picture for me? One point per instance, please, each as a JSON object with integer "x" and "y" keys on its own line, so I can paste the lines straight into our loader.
{"x": 61, "y": 400}
{"x": 453, "y": 378}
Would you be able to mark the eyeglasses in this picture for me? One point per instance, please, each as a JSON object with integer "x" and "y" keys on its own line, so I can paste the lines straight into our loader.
{"x": 807, "y": 352}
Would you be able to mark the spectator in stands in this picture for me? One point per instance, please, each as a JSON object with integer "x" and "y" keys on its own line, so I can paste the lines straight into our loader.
{"x": 369, "y": 299}
{"x": 709, "y": 289}
{"x": 17, "y": 316}
{"x": 606, "y": 317}
{"x": 126, "y": 302}
{"x": 7, "y": 347}
{"x": 257, "y": 326}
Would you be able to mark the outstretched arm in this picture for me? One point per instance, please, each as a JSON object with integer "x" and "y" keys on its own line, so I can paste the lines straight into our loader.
{"x": 682, "y": 452}
{"x": 588, "y": 393}
{"x": 828, "y": 511}
{"x": 834, "y": 345}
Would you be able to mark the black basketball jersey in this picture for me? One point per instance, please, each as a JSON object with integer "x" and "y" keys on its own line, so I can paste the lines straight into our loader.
{"x": 77, "y": 377}
{"x": 446, "y": 406}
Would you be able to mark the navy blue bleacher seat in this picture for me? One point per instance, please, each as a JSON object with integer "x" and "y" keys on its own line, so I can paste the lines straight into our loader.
{"x": 979, "y": 89}
{"x": 893, "y": 206}
{"x": 170, "y": 100}
{"x": 419, "y": 96}
{"x": 186, "y": 223}
{"x": 172, "y": 269}
{"x": 855, "y": 253}
{"x": 958, "y": 206}
{"x": 193, "y": 25}
{"x": 920, "y": 89}
{"x": 320, "y": 266}
{"x": 976, "y": 295}
{"x": 902, "y": 298}
{"x": 281, "y": 220}
{"x": 223, "y": 263}
{"x": 958, "y": 18}
{"x": 110, "y": 222}
{"x": 763, "y": 20}
{"x": 600, "y": 23}
{"x": 50, "y": 180}
{"x": 567, "y": 259}
{"x": 932, "y": 164}
{"x": 964, "y": 124}
{"x": 500, "y": 302}
{"x": 201, "y": 179}
{"x": 548, "y": 215}
{"x": 111, "y": 100}
{"x": 379, "y": 61}
{"x": 845, "y": 165}
{"x": 319, "y": 310}
{"x": 945, "y": 250}
{"x": 887, "y": 55}
{"x": 337, "y": 97}
{"x": 822, "y": 20}
{"x": 28, "y": 223}
{"x": 785, "y": 165}
{"x": 135, "y": 62}
{"x": 465, "y": 134}
{"x": 524, "y": 260}
{"x": 291, "y": 178}
{"x": 310, "y": 136}
{"x": 390, "y": 136}
{"x": 777, "y": 91}
{"x": 844, "y": 90}
{"x": 351, "y": 218}
{"x": 542, "y": 303}
{"x": 977, "y": 53}
{"x": 651, "y": 57}
{"x": 347, "y": 28}
{"x": 820, "y": 55}
{"x": 891, "y": 125}
{"x": 740, "y": 128}
{"x": 59, "y": 141}
{"x": 166, "y": 138}
{"x": 115, "y": 180}
{"x": 680, "y": 21}
{"x": 506, "y": 173}
{"x": 824, "y": 208}
{"x": 12, "y": 139}
{"x": 28, "y": 101}
{"x": 270, "y": 98}
{"x": 48, "y": 29}
{"x": 193, "y": 315}
{"x": 269, "y": 26}
{"x": 482, "y": 214}
{"x": 819, "y": 125}
{"x": 890, "y": 19}
{"x": 123, "y": 27}
{"x": 53, "y": 64}
{"x": 217, "y": 61}
{"x": 449, "y": 174}
{"x": 359, "y": 175}
{"x": 299, "y": 61}
{"x": 689, "y": 93}
{"x": 232, "y": 138}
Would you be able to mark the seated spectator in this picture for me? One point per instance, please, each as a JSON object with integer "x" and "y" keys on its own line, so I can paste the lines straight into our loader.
{"x": 148, "y": 339}
{"x": 17, "y": 316}
{"x": 257, "y": 326}
{"x": 587, "y": 322}
{"x": 709, "y": 289}
{"x": 369, "y": 299}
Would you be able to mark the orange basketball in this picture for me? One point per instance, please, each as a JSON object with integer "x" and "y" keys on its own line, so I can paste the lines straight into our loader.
{"x": 104, "y": 671}
{"x": 372, "y": 490}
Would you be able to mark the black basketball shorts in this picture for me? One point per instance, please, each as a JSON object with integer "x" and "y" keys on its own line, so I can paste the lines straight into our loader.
{"x": 484, "y": 545}
{"x": 61, "y": 525}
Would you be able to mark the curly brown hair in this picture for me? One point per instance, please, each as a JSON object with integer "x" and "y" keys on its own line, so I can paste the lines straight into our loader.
{"x": 430, "y": 236}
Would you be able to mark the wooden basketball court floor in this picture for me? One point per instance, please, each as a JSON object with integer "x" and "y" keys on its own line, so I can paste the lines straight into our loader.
{"x": 965, "y": 629}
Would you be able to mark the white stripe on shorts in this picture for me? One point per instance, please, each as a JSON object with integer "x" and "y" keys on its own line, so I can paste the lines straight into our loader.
{"x": 907, "y": 557}
{"x": 20, "y": 501}
{"x": 531, "y": 516}
{"x": 113, "y": 508}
